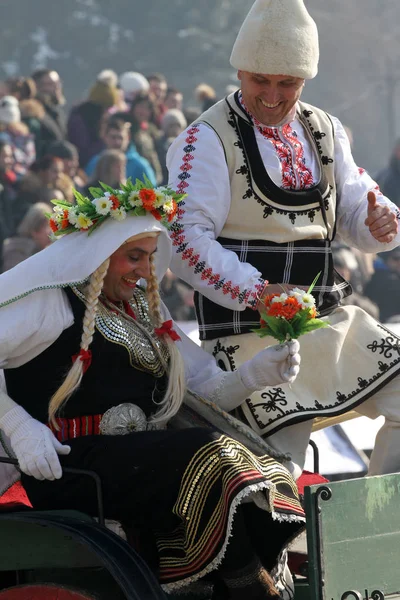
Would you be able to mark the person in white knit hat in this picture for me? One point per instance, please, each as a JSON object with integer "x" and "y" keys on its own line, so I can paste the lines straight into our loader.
{"x": 132, "y": 83}
{"x": 9, "y": 110}
{"x": 270, "y": 182}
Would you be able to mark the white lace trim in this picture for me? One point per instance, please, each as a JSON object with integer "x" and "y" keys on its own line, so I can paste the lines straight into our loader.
{"x": 265, "y": 485}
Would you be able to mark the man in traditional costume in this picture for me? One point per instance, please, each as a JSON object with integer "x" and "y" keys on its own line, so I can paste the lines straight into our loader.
{"x": 270, "y": 181}
{"x": 95, "y": 371}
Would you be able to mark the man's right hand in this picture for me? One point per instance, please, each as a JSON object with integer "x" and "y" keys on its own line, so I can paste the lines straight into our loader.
{"x": 277, "y": 288}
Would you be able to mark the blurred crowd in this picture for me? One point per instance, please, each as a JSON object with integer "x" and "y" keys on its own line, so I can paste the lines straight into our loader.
{"x": 123, "y": 129}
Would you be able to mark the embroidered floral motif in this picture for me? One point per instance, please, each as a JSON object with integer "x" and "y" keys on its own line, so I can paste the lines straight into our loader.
{"x": 244, "y": 170}
{"x": 388, "y": 348}
{"x": 224, "y": 355}
{"x": 290, "y": 151}
{"x": 188, "y": 254}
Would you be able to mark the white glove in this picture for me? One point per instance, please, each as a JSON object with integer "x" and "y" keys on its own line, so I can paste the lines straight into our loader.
{"x": 273, "y": 365}
{"x": 34, "y": 445}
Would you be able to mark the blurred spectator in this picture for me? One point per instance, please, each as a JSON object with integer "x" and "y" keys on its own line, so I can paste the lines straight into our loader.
{"x": 384, "y": 285}
{"x": 132, "y": 83}
{"x": 192, "y": 113}
{"x": 117, "y": 137}
{"x": 8, "y": 212}
{"x": 109, "y": 77}
{"x": 142, "y": 116}
{"x": 40, "y": 184}
{"x": 110, "y": 169}
{"x": 158, "y": 90}
{"x": 346, "y": 265}
{"x": 68, "y": 153}
{"x": 173, "y": 99}
{"x": 158, "y": 86}
{"x": 205, "y": 95}
{"x": 22, "y": 88}
{"x": 178, "y": 297}
{"x": 87, "y": 119}
{"x": 17, "y": 134}
{"x": 50, "y": 95}
{"x": 389, "y": 179}
{"x": 32, "y": 236}
{"x": 360, "y": 264}
{"x": 172, "y": 124}
{"x": 4, "y": 90}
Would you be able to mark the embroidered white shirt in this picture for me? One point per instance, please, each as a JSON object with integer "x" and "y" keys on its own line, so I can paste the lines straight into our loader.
{"x": 206, "y": 208}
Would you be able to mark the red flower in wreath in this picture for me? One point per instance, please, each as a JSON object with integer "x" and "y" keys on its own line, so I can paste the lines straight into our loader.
{"x": 156, "y": 215}
{"x": 53, "y": 225}
{"x": 115, "y": 202}
{"x": 148, "y": 198}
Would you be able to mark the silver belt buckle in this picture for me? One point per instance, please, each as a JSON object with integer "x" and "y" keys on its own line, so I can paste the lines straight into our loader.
{"x": 123, "y": 419}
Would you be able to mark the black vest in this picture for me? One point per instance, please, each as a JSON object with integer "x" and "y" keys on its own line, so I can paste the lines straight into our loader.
{"x": 109, "y": 381}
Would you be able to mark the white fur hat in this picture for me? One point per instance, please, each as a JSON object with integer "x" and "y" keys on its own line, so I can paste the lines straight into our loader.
{"x": 131, "y": 83}
{"x": 9, "y": 110}
{"x": 278, "y": 37}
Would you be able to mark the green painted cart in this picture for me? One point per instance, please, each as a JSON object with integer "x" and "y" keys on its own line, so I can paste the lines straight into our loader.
{"x": 353, "y": 540}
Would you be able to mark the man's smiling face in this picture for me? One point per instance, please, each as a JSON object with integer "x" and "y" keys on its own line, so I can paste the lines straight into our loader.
{"x": 270, "y": 98}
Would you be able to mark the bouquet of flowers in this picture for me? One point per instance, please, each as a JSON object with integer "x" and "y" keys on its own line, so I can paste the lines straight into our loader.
{"x": 289, "y": 315}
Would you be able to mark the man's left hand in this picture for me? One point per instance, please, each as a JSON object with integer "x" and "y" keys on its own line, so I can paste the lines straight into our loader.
{"x": 381, "y": 221}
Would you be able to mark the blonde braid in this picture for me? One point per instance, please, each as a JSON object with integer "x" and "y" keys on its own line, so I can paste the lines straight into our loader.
{"x": 153, "y": 296}
{"x": 176, "y": 388}
{"x": 74, "y": 376}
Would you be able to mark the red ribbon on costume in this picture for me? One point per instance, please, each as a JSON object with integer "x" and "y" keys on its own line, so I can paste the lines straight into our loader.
{"x": 85, "y": 356}
{"x": 167, "y": 329}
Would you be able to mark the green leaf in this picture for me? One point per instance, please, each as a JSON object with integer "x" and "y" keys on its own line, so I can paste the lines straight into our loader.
{"x": 106, "y": 187}
{"x": 96, "y": 192}
{"x": 64, "y": 203}
{"x": 98, "y": 222}
{"x": 147, "y": 181}
{"x": 314, "y": 324}
{"x": 310, "y": 289}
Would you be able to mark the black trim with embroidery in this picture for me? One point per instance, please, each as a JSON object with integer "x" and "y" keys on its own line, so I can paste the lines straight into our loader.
{"x": 275, "y": 398}
{"x": 247, "y": 143}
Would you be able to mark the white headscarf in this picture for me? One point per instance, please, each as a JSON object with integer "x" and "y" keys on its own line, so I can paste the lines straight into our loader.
{"x": 75, "y": 256}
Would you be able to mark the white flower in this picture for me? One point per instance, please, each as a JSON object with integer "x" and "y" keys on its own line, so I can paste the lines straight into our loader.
{"x": 161, "y": 198}
{"x": 282, "y": 298}
{"x": 103, "y": 205}
{"x": 169, "y": 206}
{"x": 307, "y": 300}
{"x": 83, "y": 222}
{"x": 134, "y": 199}
{"x": 59, "y": 210}
{"x": 73, "y": 216}
{"x": 296, "y": 291}
{"x": 118, "y": 214}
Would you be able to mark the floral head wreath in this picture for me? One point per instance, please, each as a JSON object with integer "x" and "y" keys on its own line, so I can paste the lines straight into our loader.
{"x": 136, "y": 199}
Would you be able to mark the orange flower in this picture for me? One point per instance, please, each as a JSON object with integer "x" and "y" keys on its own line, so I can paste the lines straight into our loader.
{"x": 65, "y": 223}
{"x": 53, "y": 225}
{"x": 115, "y": 201}
{"x": 156, "y": 215}
{"x": 263, "y": 323}
{"x": 267, "y": 299}
{"x": 287, "y": 309}
{"x": 312, "y": 313}
{"x": 148, "y": 198}
{"x": 171, "y": 215}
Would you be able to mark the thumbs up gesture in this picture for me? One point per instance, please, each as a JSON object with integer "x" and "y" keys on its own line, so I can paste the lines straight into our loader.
{"x": 381, "y": 221}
